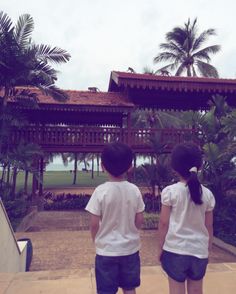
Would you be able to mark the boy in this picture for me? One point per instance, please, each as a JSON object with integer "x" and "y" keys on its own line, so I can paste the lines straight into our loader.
{"x": 116, "y": 209}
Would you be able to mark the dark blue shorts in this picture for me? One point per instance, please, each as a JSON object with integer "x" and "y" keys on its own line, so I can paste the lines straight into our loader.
{"x": 181, "y": 267}
{"x": 113, "y": 272}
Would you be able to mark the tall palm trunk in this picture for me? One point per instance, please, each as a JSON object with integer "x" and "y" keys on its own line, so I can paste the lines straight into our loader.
{"x": 92, "y": 173}
{"x": 75, "y": 169}
{"x": 8, "y": 173}
{"x": 98, "y": 163}
{"x": 3, "y": 174}
{"x": 26, "y": 182}
{"x": 14, "y": 177}
{"x": 3, "y": 109}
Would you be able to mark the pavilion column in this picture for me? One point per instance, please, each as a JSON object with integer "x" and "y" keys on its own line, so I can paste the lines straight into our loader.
{"x": 41, "y": 170}
{"x": 129, "y": 129}
{"x": 34, "y": 186}
{"x": 34, "y": 179}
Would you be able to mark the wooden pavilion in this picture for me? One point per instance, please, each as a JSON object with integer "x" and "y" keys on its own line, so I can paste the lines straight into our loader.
{"x": 90, "y": 119}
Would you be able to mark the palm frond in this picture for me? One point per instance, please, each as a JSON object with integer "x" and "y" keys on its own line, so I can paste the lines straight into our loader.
{"x": 177, "y": 35}
{"x": 26, "y": 98}
{"x": 172, "y": 47}
{"x": 194, "y": 71}
{"x": 168, "y": 67}
{"x": 206, "y": 69}
{"x": 204, "y": 53}
{"x": 5, "y": 23}
{"x": 180, "y": 70}
{"x": 148, "y": 70}
{"x": 56, "y": 55}
{"x": 52, "y": 90}
{"x": 164, "y": 56}
{"x": 203, "y": 38}
{"x": 23, "y": 29}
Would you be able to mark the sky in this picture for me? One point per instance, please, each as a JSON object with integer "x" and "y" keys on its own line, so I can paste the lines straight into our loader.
{"x": 106, "y": 35}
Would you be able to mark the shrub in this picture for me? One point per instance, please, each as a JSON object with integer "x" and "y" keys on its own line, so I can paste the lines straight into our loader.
{"x": 16, "y": 210}
{"x": 152, "y": 203}
{"x": 150, "y": 221}
{"x": 65, "y": 201}
{"x": 225, "y": 220}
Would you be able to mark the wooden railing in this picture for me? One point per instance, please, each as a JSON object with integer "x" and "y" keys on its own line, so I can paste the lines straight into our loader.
{"x": 91, "y": 137}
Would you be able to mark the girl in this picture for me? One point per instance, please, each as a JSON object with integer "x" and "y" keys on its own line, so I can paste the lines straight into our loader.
{"x": 186, "y": 223}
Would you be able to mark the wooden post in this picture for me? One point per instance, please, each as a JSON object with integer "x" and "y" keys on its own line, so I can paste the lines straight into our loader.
{"x": 41, "y": 170}
{"x": 34, "y": 186}
{"x": 128, "y": 128}
{"x": 34, "y": 179}
{"x": 75, "y": 168}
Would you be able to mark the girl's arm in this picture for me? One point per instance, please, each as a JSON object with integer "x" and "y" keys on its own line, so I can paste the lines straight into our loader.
{"x": 94, "y": 225}
{"x": 139, "y": 220}
{"x": 209, "y": 226}
{"x": 163, "y": 226}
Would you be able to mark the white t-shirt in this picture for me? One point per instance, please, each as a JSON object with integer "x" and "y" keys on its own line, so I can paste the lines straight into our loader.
{"x": 187, "y": 233}
{"x": 117, "y": 203}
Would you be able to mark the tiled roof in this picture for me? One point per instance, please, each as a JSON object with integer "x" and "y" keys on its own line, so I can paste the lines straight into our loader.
{"x": 86, "y": 98}
{"x": 170, "y": 83}
{"x": 151, "y": 77}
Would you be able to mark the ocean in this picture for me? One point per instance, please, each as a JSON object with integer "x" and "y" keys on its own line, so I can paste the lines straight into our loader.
{"x": 57, "y": 164}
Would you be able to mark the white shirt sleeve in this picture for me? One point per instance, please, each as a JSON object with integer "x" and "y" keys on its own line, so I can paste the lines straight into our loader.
{"x": 166, "y": 197}
{"x": 211, "y": 202}
{"x": 141, "y": 205}
{"x": 94, "y": 205}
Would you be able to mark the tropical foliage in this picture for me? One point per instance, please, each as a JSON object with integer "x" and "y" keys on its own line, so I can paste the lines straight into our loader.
{"x": 185, "y": 52}
{"x": 24, "y": 63}
{"x": 23, "y": 66}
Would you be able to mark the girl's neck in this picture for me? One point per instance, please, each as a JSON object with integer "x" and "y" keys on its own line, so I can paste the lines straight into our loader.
{"x": 116, "y": 179}
{"x": 182, "y": 180}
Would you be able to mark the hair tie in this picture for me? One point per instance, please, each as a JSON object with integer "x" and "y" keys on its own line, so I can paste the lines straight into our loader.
{"x": 193, "y": 169}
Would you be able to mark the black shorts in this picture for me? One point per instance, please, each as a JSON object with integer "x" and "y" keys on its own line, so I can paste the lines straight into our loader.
{"x": 181, "y": 267}
{"x": 113, "y": 272}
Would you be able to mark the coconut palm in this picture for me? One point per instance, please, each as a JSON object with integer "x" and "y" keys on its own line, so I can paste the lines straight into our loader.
{"x": 183, "y": 49}
{"x": 23, "y": 63}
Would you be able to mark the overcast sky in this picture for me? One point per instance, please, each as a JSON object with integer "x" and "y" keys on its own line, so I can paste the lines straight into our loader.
{"x": 106, "y": 35}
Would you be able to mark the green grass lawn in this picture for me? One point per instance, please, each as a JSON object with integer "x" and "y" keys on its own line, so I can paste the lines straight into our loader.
{"x": 57, "y": 179}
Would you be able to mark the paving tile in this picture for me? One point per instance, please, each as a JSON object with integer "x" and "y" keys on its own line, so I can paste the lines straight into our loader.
{"x": 4, "y": 286}
{"x": 231, "y": 266}
{"x": 220, "y": 283}
{"x": 217, "y": 267}
{"x": 83, "y": 281}
{"x": 6, "y": 276}
{"x": 62, "y": 286}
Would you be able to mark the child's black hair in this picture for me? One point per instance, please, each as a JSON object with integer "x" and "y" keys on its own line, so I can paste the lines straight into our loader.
{"x": 184, "y": 157}
{"x": 117, "y": 158}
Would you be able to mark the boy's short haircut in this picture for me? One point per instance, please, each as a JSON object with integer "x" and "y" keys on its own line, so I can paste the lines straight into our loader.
{"x": 117, "y": 158}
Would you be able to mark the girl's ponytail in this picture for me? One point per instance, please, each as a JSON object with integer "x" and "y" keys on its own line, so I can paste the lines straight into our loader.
{"x": 195, "y": 187}
{"x": 186, "y": 160}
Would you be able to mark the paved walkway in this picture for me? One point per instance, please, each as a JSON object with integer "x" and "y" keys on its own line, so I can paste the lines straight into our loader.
{"x": 64, "y": 256}
{"x": 220, "y": 279}
{"x": 61, "y": 241}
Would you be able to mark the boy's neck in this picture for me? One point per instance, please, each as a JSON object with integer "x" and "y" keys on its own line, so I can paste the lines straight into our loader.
{"x": 116, "y": 179}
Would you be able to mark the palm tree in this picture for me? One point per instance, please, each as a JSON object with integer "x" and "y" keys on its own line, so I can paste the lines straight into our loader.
{"x": 23, "y": 63}
{"x": 183, "y": 49}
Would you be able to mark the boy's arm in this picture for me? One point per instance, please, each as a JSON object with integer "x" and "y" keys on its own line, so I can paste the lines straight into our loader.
{"x": 163, "y": 226}
{"x": 139, "y": 220}
{"x": 209, "y": 226}
{"x": 94, "y": 225}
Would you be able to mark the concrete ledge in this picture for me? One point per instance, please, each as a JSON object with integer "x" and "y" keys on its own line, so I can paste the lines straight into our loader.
{"x": 153, "y": 280}
{"x": 227, "y": 247}
{"x": 27, "y": 220}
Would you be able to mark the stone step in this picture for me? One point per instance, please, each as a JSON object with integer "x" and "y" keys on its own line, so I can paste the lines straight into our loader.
{"x": 220, "y": 278}
{"x": 59, "y": 221}
{"x": 74, "y": 249}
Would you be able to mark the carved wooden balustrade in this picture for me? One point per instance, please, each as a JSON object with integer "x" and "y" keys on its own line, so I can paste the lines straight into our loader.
{"x": 92, "y": 139}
